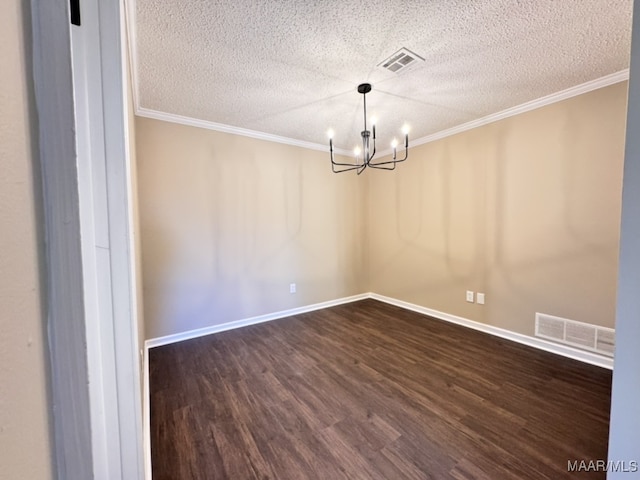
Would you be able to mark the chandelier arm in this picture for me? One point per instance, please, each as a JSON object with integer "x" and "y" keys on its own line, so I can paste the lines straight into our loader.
{"x": 382, "y": 166}
{"x": 367, "y": 159}
{"x": 333, "y": 167}
{"x": 394, "y": 161}
{"x": 354, "y": 165}
{"x": 388, "y": 162}
{"x": 334, "y": 164}
{"x": 348, "y": 167}
{"x": 406, "y": 155}
{"x": 374, "y": 151}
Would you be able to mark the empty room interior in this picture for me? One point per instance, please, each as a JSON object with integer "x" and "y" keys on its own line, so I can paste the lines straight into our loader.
{"x": 447, "y": 315}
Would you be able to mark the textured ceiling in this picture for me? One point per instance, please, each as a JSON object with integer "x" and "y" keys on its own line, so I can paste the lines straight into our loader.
{"x": 290, "y": 68}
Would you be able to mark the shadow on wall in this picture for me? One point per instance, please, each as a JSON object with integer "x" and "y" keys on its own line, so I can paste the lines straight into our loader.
{"x": 556, "y": 208}
{"x": 525, "y": 210}
{"x": 220, "y": 257}
{"x": 231, "y": 223}
{"x": 427, "y": 232}
{"x": 256, "y": 222}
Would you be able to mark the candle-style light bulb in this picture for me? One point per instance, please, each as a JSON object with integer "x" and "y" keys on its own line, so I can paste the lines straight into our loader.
{"x": 405, "y": 130}
{"x": 394, "y": 145}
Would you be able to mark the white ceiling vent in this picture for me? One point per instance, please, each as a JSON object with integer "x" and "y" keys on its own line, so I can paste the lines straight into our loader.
{"x": 577, "y": 334}
{"x": 401, "y": 61}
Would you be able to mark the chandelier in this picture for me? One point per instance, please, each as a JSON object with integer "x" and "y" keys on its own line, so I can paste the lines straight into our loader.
{"x": 364, "y": 157}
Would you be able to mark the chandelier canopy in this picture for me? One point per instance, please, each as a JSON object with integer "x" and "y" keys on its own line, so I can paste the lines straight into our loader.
{"x": 368, "y": 151}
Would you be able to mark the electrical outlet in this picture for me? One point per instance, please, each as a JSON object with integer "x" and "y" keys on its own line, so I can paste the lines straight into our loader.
{"x": 292, "y": 288}
{"x": 469, "y": 296}
{"x": 480, "y": 298}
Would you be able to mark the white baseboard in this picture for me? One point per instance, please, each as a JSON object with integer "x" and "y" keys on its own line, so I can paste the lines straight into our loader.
{"x": 200, "y": 332}
{"x": 565, "y": 351}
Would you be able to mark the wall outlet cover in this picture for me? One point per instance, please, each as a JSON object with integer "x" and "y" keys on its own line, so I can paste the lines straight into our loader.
{"x": 469, "y": 296}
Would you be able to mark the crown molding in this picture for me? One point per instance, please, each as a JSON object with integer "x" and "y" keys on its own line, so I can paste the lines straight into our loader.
{"x": 586, "y": 87}
{"x": 131, "y": 33}
{"x": 220, "y": 127}
{"x": 130, "y": 23}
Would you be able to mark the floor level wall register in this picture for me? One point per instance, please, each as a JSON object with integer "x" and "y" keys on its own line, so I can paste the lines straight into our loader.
{"x": 576, "y": 334}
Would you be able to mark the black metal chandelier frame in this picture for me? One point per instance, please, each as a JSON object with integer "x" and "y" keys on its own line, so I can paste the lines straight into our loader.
{"x": 367, "y": 154}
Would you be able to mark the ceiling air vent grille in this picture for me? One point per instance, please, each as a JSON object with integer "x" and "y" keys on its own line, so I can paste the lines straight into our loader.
{"x": 401, "y": 61}
{"x": 576, "y": 334}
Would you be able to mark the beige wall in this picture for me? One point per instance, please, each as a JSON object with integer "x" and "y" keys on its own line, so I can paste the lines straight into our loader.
{"x": 525, "y": 210}
{"x": 228, "y": 222}
{"x": 25, "y": 450}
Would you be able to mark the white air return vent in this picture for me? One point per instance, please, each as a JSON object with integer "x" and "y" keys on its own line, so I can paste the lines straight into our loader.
{"x": 549, "y": 327}
{"x": 576, "y": 334}
{"x": 605, "y": 340}
{"x": 401, "y": 61}
{"x": 580, "y": 334}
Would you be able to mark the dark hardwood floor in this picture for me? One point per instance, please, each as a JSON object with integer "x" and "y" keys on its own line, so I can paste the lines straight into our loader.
{"x": 371, "y": 391}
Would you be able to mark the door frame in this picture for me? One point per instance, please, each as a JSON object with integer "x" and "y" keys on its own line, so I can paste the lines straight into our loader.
{"x": 90, "y": 365}
{"x": 80, "y": 95}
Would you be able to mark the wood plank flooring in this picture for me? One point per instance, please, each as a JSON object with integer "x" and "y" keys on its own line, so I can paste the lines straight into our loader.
{"x": 371, "y": 391}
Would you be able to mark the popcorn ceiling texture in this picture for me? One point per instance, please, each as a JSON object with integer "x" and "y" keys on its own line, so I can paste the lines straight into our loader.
{"x": 291, "y": 68}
